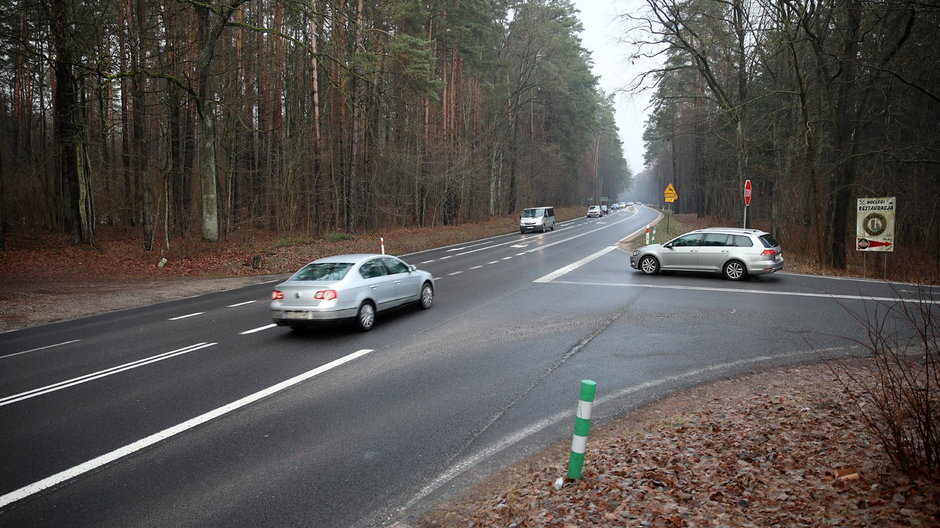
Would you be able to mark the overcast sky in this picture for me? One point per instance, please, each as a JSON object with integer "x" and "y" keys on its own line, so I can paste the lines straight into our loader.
{"x": 602, "y": 33}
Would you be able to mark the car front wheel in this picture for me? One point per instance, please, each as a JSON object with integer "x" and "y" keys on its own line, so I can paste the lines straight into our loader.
{"x": 649, "y": 265}
{"x": 365, "y": 319}
{"x": 427, "y": 296}
{"x": 734, "y": 270}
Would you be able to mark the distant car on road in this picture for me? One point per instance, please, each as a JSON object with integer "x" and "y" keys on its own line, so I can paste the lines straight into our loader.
{"x": 349, "y": 288}
{"x": 733, "y": 252}
{"x": 594, "y": 211}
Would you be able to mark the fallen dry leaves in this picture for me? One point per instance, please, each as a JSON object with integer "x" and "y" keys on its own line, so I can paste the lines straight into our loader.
{"x": 764, "y": 451}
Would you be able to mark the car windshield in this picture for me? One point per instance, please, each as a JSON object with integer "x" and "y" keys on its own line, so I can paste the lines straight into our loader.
{"x": 531, "y": 213}
{"x": 323, "y": 271}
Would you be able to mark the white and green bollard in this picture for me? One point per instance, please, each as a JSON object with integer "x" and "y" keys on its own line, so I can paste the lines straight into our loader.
{"x": 582, "y": 425}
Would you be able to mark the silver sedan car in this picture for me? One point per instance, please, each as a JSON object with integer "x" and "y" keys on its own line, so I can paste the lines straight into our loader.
{"x": 349, "y": 287}
{"x": 733, "y": 252}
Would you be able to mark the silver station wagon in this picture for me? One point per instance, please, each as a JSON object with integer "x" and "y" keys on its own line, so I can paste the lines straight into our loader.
{"x": 349, "y": 287}
{"x": 733, "y": 252}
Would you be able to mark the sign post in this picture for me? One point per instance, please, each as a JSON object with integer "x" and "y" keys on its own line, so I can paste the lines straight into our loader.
{"x": 747, "y": 204}
{"x": 874, "y": 227}
{"x": 670, "y": 195}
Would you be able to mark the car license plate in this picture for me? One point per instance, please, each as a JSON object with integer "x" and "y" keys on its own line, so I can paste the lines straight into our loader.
{"x": 296, "y": 315}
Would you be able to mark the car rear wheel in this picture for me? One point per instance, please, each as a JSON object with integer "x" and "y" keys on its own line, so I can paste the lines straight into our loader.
{"x": 734, "y": 270}
{"x": 649, "y": 265}
{"x": 365, "y": 319}
{"x": 427, "y": 296}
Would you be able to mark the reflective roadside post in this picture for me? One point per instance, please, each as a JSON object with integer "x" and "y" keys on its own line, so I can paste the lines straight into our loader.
{"x": 582, "y": 426}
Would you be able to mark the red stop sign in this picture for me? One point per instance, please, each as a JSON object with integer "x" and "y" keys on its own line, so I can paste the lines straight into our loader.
{"x": 747, "y": 192}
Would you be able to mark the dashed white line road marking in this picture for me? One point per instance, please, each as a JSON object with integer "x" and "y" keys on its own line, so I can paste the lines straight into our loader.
{"x": 454, "y": 273}
{"x": 186, "y": 316}
{"x": 122, "y": 452}
{"x": 236, "y": 305}
{"x": 506, "y": 258}
{"x": 475, "y": 267}
{"x": 259, "y": 329}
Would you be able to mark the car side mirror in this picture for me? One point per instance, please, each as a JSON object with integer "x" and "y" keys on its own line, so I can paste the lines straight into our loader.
{"x": 668, "y": 246}
{"x": 411, "y": 267}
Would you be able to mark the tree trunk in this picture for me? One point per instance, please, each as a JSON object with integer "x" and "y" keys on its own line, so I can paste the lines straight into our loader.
{"x": 68, "y": 134}
{"x": 845, "y": 142}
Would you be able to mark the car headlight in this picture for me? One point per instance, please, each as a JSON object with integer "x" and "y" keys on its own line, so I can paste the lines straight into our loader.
{"x": 636, "y": 252}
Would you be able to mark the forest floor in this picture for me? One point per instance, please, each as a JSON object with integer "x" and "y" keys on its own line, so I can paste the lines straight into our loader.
{"x": 780, "y": 448}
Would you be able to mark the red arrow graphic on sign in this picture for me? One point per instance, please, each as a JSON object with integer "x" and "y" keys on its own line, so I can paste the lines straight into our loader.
{"x": 878, "y": 243}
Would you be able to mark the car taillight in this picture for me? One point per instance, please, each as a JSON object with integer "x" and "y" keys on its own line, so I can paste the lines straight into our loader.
{"x": 325, "y": 295}
{"x": 277, "y": 295}
{"x": 768, "y": 253}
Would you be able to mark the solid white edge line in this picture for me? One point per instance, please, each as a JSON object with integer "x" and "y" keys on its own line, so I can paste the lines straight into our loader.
{"x": 756, "y": 292}
{"x": 259, "y": 329}
{"x": 122, "y": 452}
{"x": 100, "y": 374}
{"x": 40, "y": 348}
{"x": 470, "y": 461}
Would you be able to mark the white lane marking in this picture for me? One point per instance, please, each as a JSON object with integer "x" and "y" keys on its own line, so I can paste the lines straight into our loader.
{"x": 507, "y": 258}
{"x": 454, "y": 273}
{"x": 40, "y": 348}
{"x": 493, "y": 262}
{"x": 122, "y": 452}
{"x": 757, "y": 292}
{"x": 427, "y": 261}
{"x": 186, "y": 316}
{"x": 447, "y": 257}
{"x": 509, "y": 441}
{"x": 259, "y": 329}
{"x": 574, "y": 265}
{"x": 101, "y": 374}
{"x": 236, "y": 305}
{"x": 475, "y": 267}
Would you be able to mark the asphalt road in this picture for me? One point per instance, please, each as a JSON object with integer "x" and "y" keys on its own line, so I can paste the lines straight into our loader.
{"x": 198, "y": 413}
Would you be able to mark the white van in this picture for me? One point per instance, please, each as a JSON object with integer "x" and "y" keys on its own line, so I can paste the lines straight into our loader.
{"x": 537, "y": 219}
